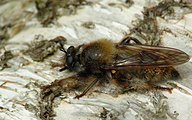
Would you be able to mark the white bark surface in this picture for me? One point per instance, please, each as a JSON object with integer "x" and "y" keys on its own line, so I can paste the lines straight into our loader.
{"x": 19, "y": 84}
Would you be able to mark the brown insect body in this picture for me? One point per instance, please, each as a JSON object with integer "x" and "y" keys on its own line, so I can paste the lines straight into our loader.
{"x": 128, "y": 64}
{"x": 95, "y": 56}
{"x": 123, "y": 61}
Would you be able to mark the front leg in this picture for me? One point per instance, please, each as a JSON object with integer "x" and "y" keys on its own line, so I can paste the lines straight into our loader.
{"x": 127, "y": 41}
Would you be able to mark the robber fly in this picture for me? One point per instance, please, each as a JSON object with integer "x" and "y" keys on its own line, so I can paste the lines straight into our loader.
{"x": 119, "y": 62}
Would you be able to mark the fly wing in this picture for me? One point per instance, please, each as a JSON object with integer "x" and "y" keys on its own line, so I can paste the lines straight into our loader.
{"x": 144, "y": 56}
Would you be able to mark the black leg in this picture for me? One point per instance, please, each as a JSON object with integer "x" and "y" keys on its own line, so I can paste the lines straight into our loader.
{"x": 157, "y": 87}
{"x": 62, "y": 69}
{"x": 127, "y": 40}
{"x": 87, "y": 89}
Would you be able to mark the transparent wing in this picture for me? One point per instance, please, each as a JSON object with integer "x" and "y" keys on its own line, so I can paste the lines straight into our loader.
{"x": 134, "y": 55}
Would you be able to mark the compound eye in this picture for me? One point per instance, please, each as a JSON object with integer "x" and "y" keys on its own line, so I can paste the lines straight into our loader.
{"x": 70, "y": 50}
{"x": 69, "y": 61}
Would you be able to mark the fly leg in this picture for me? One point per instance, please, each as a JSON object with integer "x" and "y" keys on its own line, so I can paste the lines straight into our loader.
{"x": 87, "y": 89}
{"x": 157, "y": 87}
{"x": 127, "y": 40}
{"x": 139, "y": 84}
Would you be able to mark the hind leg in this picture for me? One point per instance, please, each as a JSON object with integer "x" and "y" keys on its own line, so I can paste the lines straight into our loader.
{"x": 127, "y": 81}
{"x": 138, "y": 84}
